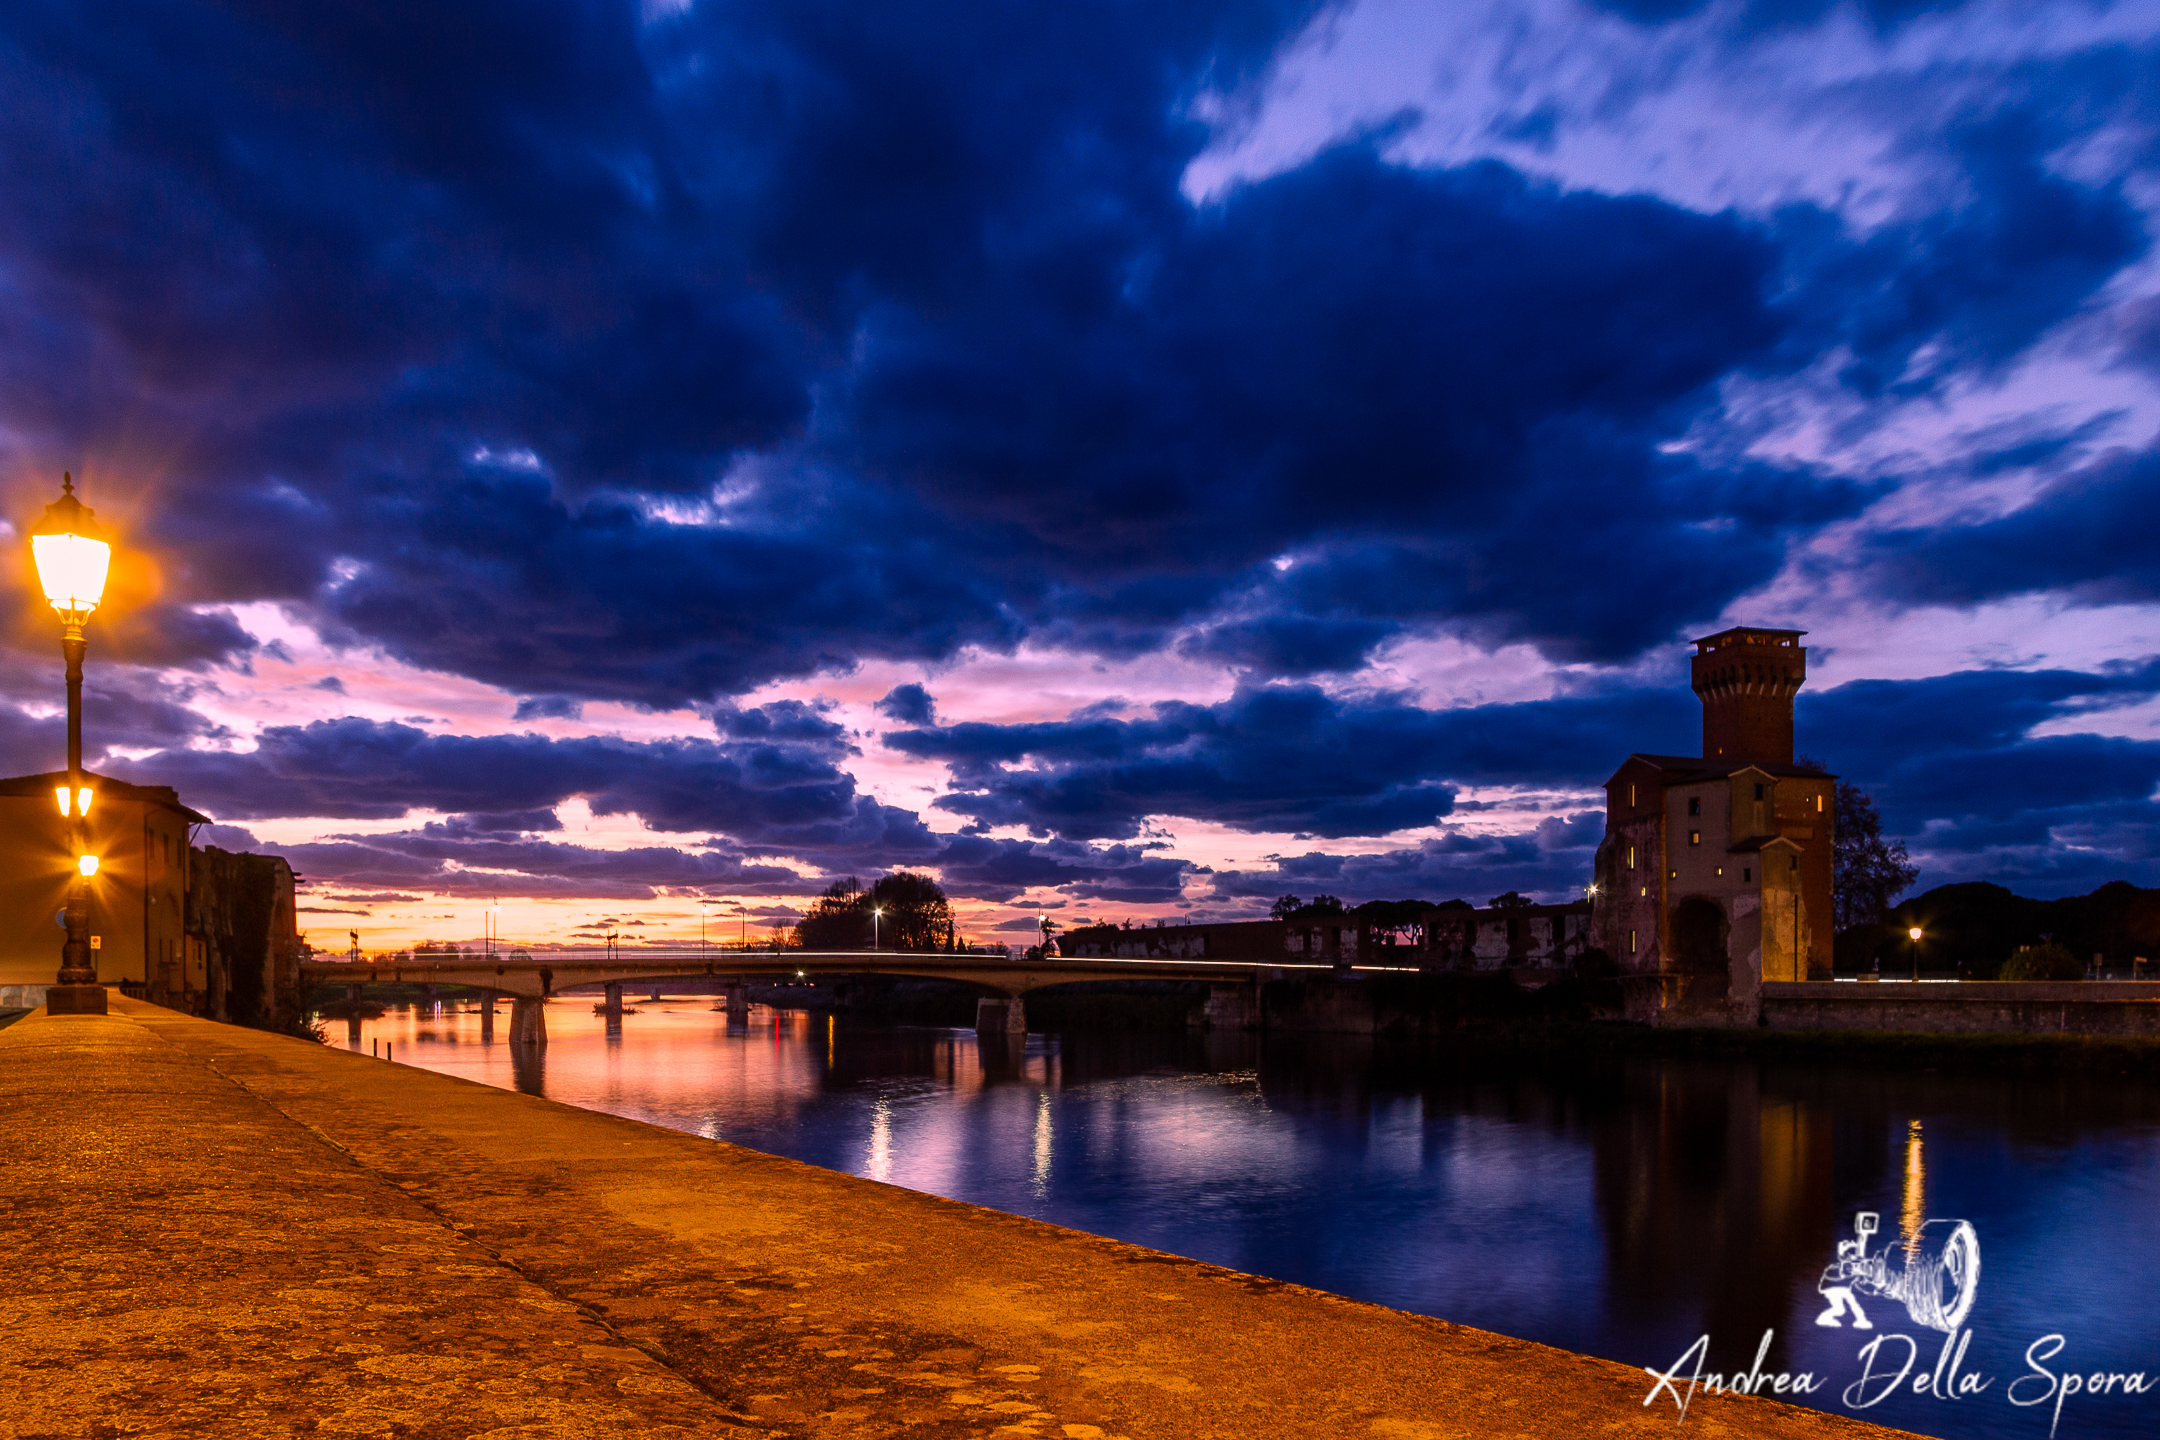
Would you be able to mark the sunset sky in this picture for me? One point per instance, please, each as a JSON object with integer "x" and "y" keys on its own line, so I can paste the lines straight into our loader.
{"x": 1131, "y": 460}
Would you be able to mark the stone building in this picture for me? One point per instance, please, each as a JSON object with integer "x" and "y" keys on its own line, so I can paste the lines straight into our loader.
{"x": 196, "y": 929}
{"x": 1715, "y": 871}
{"x": 1507, "y": 937}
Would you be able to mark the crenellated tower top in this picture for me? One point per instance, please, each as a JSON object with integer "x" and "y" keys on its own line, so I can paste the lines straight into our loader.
{"x": 1746, "y": 678}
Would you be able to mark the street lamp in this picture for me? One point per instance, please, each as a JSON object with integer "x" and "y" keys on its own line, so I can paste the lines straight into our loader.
{"x": 1914, "y": 935}
{"x": 874, "y": 917}
{"x": 72, "y": 556}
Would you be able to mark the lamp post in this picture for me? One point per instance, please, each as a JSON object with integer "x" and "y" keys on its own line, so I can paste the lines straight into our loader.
{"x": 875, "y": 916}
{"x": 1914, "y": 935}
{"x": 72, "y": 556}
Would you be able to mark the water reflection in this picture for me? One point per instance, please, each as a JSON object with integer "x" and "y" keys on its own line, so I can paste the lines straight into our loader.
{"x": 1617, "y": 1205}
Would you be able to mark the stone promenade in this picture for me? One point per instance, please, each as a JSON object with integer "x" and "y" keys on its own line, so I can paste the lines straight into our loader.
{"x": 212, "y": 1231}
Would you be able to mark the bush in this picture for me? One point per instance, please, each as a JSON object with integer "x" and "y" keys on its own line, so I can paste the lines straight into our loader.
{"x": 2042, "y": 962}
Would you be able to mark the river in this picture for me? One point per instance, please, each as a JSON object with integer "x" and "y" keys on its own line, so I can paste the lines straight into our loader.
{"x": 1618, "y": 1205}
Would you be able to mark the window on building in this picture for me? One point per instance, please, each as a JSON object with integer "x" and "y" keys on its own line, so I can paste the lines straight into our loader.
{"x": 1721, "y": 869}
{"x": 1758, "y": 792}
{"x": 1818, "y": 804}
{"x": 1631, "y": 857}
{"x": 1631, "y": 942}
{"x": 1631, "y": 794}
{"x": 1748, "y": 875}
{"x": 1694, "y": 837}
{"x": 1795, "y": 862}
{"x": 1694, "y": 805}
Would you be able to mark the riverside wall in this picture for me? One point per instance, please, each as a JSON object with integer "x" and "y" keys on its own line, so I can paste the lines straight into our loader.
{"x": 2124, "y": 1008}
{"x": 227, "y": 1232}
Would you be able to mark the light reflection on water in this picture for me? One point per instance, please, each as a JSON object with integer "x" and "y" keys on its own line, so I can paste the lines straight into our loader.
{"x": 1619, "y": 1206}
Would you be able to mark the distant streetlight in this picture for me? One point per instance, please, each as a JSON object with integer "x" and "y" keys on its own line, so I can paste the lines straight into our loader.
{"x": 874, "y": 917}
{"x": 72, "y": 556}
{"x": 1914, "y": 935}
{"x": 493, "y": 927}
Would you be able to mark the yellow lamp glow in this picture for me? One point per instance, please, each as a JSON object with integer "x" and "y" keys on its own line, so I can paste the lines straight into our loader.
{"x": 1914, "y": 932}
{"x": 72, "y": 553}
{"x": 80, "y": 805}
{"x": 87, "y": 864}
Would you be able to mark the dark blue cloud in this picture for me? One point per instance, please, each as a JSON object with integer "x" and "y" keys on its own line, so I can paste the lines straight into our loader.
{"x": 926, "y": 288}
{"x": 909, "y": 704}
{"x": 2083, "y": 535}
{"x": 1283, "y": 758}
{"x": 1955, "y": 771}
{"x": 1761, "y": 15}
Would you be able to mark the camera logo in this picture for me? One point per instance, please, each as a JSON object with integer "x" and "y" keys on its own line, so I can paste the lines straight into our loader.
{"x": 1934, "y": 1274}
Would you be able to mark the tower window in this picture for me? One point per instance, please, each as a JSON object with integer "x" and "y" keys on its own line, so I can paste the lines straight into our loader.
{"x": 1818, "y": 804}
{"x": 1631, "y": 857}
{"x": 1631, "y": 942}
{"x": 1758, "y": 792}
{"x": 1748, "y": 874}
{"x": 1694, "y": 837}
{"x": 1631, "y": 795}
{"x": 1795, "y": 863}
{"x": 1694, "y": 805}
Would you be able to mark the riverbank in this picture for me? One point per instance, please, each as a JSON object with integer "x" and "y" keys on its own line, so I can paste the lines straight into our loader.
{"x": 222, "y": 1231}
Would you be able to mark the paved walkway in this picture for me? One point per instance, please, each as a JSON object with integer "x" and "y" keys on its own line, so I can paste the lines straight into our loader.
{"x": 213, "y": 1231}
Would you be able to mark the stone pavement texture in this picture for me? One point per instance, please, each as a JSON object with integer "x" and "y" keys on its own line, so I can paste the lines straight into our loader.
{"x": 218, "y": 1232}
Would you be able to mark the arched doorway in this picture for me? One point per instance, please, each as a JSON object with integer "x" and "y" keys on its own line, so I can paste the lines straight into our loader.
{"x": 1699, "y": 949}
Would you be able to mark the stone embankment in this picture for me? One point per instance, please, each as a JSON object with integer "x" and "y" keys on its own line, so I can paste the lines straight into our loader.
{"x": 2119, "y": 1008}
{"x": 221, "y": 1232}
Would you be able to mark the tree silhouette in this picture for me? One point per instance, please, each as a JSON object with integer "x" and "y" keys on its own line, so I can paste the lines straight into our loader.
{"x": 1868, "y": 873}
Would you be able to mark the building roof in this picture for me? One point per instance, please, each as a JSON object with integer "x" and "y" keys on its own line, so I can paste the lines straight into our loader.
{"x": 1684, "y": 769}
{"x": 51, "y": 780}
{"x": 1749, "y": 631}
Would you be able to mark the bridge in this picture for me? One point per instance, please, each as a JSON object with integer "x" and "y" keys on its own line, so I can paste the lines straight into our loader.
{"x": 527, "y": 982}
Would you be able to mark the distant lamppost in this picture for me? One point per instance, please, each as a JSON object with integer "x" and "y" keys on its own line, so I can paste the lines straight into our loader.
{"x": 493, "y": 927}
{"x": 1914, "y": 935}
{"x": 72, "y": 556}
{"x": 875, "y": 916}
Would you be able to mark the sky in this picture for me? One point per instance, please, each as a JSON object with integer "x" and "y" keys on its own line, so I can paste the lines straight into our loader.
{"x": 642, "y": 462}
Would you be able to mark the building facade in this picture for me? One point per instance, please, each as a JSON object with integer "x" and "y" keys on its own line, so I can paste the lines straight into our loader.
{"x": 197, "y": 929}
{"x": 1715, "y": 871}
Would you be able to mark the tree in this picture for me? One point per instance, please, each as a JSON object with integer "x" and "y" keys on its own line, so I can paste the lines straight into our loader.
{"x": 1510, "y": 901}
{"x": 839, "y": 919}
{"x": 1396, "y": 920}
{"x": 917, "y": 914}
{"x": 1284, "y": 907}
{"x": 2043, "y": 962}
{"x": 1868, "y": 873}
{"x": 1324, "y": 905}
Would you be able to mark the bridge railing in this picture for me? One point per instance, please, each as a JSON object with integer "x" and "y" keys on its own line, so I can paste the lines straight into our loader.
{"x": 619, "y": 954}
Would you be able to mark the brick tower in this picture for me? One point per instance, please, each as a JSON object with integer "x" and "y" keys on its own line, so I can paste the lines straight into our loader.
{"x": 1746, "y": 678}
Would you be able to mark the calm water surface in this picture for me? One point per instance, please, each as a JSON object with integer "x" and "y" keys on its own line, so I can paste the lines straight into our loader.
{"x": 1618, "y": 1206}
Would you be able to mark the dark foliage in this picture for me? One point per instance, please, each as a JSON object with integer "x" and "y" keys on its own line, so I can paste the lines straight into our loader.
{"x": 2047, "y": 961}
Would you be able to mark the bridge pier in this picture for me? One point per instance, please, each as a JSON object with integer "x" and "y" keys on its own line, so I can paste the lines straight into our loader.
{"x": 487, "y": 1018}
{"x": 612, "y": 1005}
{"x": 528, "y": 1020}
{"x": 1000, "y": 1015}
{"x": 1232, "y": 1007}
{"x": 656, "y": 992}
{"x": 738, "y": 1002}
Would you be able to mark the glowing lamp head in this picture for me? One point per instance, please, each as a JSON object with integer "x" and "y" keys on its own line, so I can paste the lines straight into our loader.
{"x": 87, "y": 864}
{"x": 1914, "y": 932}
{"x": 75, "y": 803}
{"x": 72, "y": 554}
